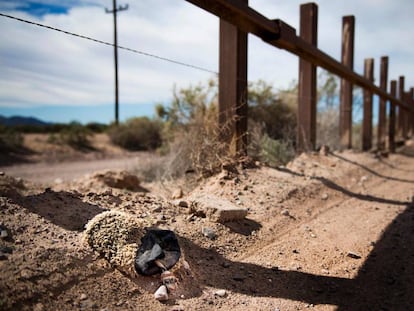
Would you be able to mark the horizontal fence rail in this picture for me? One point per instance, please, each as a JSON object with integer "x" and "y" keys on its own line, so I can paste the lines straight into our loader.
{"x": 281, "y": 35}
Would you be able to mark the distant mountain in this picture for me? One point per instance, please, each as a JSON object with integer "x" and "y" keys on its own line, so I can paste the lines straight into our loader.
{"x": 17, "y": 120}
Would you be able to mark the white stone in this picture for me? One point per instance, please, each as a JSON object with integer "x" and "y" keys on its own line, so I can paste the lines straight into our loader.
{"x": 161, "y": 293}
{"x": 221, "y": 293}
{"x": 218, "y": 209}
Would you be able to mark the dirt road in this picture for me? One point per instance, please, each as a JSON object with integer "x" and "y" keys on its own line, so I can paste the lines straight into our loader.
{"x": 331, "y": 232}
{"x": 70, "y": 170}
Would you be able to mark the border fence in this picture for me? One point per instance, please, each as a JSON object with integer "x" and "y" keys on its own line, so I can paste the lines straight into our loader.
{"x": 237, "y": 19}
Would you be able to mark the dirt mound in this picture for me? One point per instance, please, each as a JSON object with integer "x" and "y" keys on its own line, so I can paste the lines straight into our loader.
{"x": 119, "y": 179}
{"x": 10, "y": 186}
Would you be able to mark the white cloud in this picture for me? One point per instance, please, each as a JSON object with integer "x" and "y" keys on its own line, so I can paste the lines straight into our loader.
{"x": 40, "y": 66}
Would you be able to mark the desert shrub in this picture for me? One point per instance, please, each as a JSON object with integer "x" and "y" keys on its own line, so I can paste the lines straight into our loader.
{"x": 192, "y": 134}
{"x": 10, "y": 139}
{"x": 272, "y": 123}
{"x": 96, "y": 127}
{"x": 357, "y": 136}
{"x": 139, "y": 133}
{"x": 275, "y": 152}
{"x": 328, "y": 112}
{"x": 262, "y": 147}
{"x": 74, "y": 134}
{"x": 276, "y": 111}
{"x": 327, "y": 128}
{"x": 191, "y": 131}
{"x": 53, "y": 138}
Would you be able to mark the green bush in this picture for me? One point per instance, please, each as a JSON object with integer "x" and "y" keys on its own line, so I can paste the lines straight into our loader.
{"x": 139, "y": 133}
{"x": 275, "y": 152}
{"x": 276, "y": 111}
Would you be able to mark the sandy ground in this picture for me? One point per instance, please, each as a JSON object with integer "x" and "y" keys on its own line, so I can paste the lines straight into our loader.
{"x": 326, "y": 232}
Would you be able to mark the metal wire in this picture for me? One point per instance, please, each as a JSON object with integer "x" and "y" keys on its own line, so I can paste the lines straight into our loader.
{"x": 110, "y": 44}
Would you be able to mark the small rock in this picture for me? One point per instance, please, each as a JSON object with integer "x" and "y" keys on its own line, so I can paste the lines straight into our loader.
{"x": 186, "y": 265}
{"x": 325, "y": 271}
{"x": 87, "y": 304}
{"x": 6, "y": 249}
{"x": 182, "y": 203}
{"x": 324, "y": 196}
{"x": 157, "y": 209}
{"x": 353, "y": 255}
{"x": 208, "y": 232}
{"x": 220, "y": 293}
{"x": 39, "y": 307}
{"x": 285, "y": 212}
{"x": 225, "y": 265}
{"x": 161, "y": 218}
{"x": 238, "y": 278}
{"x": 176, "y": 308}
{"x": 4, "y": 234}
{"x": 25, "y": 274}
{"x": 83, "y": 297}
{"x": 324, "y": 150}
{"x": 161, "y": 294}
{"x": 177, "y": 194}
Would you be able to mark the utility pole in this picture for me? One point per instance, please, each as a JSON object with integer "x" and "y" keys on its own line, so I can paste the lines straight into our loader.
{"x": 114, "y": 10}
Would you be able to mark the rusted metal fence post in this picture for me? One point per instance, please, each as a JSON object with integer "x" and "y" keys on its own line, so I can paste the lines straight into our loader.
{"x": 400, "y": 114}
{"x": 367, "y": 115}
{"x": 382, "y": 104}
{"x": 233, "y": 87}
{"x": 392, "y": 120}
{"x": 345, "y": 116}
{"x": 307, "y": 94}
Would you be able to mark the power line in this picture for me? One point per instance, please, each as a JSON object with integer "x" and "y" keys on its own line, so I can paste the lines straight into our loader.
{"x": 111, "y": 44}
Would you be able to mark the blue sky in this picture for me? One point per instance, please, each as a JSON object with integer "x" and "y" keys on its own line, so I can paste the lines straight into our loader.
{"x": 56, "y": 77}
{"x": 39, "y": 9}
